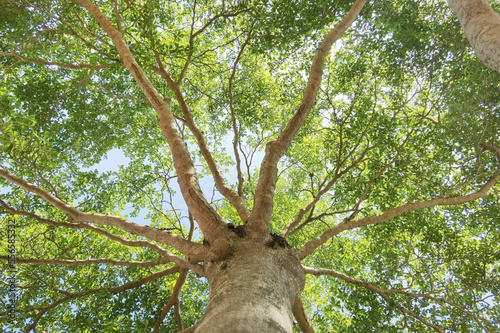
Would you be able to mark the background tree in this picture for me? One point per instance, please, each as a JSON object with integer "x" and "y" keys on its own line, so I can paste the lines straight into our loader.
{"x": 378, "y": 173}
{"x": 481, "y": 25}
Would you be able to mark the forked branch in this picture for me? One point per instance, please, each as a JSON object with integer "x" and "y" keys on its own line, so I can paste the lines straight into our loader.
{"x": 383, "y": 293}
{"x": 291, "y": 227}
{"x": 258, "y": 223}
{"x": 173, "y": 240}
{"x": 174, "y": 298}
{"x": 207, "y": 218}
{"x": 440, "y": 201}
{"x": 225, "y": 190}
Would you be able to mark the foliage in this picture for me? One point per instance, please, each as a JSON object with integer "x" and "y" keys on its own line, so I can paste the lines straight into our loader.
{"x": 402, "y": 116}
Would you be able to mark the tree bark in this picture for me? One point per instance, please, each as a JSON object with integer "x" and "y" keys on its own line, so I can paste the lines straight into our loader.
{"x": 481, "y": 25}
{"x": 253, "y": 290}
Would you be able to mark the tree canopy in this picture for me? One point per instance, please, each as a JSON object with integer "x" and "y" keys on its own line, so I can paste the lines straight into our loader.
{"x": 388, "y": 191}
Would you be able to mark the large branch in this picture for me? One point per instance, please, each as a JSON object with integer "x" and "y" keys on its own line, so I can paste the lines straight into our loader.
{"x": 383, "y": 293}
{"x": 92, "y": 261}
{"x": 300, "y": 315}
{"x": 391, "y": 213}
{"x": 167, "y": 256}
{"x": 237, "y": 201}
{"x": 481, "y": 25}
{"x": 81, "y": 225}
{"x": 207, "y": 218}
{"x": 173, "y": 240}
{"x": 258, "y": 222}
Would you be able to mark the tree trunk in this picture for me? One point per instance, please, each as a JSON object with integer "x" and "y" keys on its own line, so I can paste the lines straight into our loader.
{"x": 481, "y": 25}
{"x": 253, "y": 290}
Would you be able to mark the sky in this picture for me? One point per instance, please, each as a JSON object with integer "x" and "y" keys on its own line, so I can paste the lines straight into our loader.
{"x": 116, "y": 157}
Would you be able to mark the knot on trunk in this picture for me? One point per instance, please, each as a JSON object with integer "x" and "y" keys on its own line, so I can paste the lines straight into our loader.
{"x": 276, "y": 241}
{"x": 239, "y": 230}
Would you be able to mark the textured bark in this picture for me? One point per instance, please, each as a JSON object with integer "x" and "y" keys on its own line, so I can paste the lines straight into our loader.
{"x": 481, "y": 25}
{"x": 253, "y": 290}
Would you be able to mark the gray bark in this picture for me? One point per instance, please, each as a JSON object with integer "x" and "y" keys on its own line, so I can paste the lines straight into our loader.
{"x": 253, "y": 290}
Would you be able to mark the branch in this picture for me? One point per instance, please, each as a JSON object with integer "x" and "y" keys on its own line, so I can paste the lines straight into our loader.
{"x": 173, "y": 299}
{"x": 207, "y": 218}
{"x": 140, "y": 282}
{"x": 91, "y": 261}
{"x": 70, "y": 296}
{"x": 49, "y": 307}
{"x": 446, "y": 300}
{"x": 107, "y": 91}
{"x": 233, "y": 118}
{"x": 52, "y": 63}
{"x": 85, "y": 29}
{"x": 381, "y": 292}
{"x": 72, "y": 32}
{"x": 178, "y": 316}
{"x": 327, "y": 234}
{"x": 179, "y": 243}
{"x": 193, "y": 35}
{"x": 237, "y": 201}
{"x": 169, "y": 257}
{"x": 319, "y": 217}
{"x": 199, "y": 31}
{"x": 117, "y": 14}
{"x": 82, "y": 225}
{"x": 380, "y": 172}
{"x": 263, "y": 207}
{"x": 290, "y": 228}
{"x": 300, "y": 314}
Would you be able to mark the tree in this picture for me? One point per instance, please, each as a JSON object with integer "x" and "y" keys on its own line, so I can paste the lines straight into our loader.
{"x": 374, "y": 209}
{"x": 481, "y": 25}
